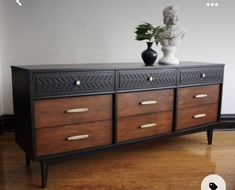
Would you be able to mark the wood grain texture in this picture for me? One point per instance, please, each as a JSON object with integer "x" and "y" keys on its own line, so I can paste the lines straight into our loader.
{"x": 163, "y": 165}
{"x": 129, "y": 103}
{"x": 185, "y": 117}
{"x": 186, "y": 96}
{"x": 129, "y": 127}
{"x": 54, "y": 139}
{"x": 52, "y": 112}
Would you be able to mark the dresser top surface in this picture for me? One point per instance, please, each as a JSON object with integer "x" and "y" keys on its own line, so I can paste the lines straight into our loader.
{"x": 111, "y": 66}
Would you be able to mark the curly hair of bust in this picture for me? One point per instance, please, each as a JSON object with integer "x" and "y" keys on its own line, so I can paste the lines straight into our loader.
{"x": 169, "y": 12}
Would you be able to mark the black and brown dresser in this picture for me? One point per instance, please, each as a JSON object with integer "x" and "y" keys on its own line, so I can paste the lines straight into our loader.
{"x": 64, "y": 111}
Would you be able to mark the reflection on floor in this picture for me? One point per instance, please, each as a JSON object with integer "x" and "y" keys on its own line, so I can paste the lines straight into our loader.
{"x": 177, "y": 163}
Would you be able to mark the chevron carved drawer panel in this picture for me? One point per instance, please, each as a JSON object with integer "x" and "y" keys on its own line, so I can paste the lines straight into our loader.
{"x": 60, "y": 83}
{"x": 201, "y": 75}
{"x": 147, "y": 78}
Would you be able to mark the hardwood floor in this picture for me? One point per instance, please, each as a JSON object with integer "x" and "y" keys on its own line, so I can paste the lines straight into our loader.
{"x": 177, "y": 163}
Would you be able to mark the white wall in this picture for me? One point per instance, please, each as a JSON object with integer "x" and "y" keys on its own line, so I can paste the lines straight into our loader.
{"x": 82, "y": 31}
{"x": 1, "y": 99}
{"x": 1, "y": 89}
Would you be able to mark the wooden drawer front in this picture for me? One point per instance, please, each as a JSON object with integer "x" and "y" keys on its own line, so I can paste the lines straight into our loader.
{"x": 55, "y": 139}
{"x": 63, "y": 111}
{"x": 134, "y": 103}
{"x": 201, "y": 75}
{"x": 147, "y": 78}
{"x": 144, "y": 125}
{"x": 194, "y": 96}
{"x": 200, "y": 115}
{"x": 48, "y": 84}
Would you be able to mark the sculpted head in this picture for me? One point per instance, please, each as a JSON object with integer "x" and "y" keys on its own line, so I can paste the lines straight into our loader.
{"x": 170, "y": 15}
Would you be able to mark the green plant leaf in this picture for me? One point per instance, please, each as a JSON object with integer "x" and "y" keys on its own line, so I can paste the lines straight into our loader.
{"x": 147, "y": 31}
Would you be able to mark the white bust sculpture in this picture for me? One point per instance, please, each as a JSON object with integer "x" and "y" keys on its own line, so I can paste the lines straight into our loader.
{"x": 171, "y": 37}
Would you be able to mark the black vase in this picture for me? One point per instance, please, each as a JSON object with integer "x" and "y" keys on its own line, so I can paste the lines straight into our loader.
{"x": 149, "y": 56}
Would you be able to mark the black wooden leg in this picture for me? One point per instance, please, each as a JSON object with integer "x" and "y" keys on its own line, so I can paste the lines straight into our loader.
{"x": 209, "y": 135}
{"x": 44, "y": 173}
{"x": 27, "y": 160}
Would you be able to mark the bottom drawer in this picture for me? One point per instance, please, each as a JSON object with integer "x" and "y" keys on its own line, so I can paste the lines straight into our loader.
{"x": 73, "y": 137}
{"x": 197, "y": 116}
{"x": 144, "y": 125}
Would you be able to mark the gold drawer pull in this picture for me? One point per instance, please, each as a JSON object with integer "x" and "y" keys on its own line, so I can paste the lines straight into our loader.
{"x": 150, "y": 79}
{"x": 200, "y": 96}
{"x": 148, "y": 125}
{"x": 77, "y": 110}
{"x": 78, "y": 82}
{"x": 203, "y": 75}
{"x": 150, "y": 102}
{"x": 199, "y": 116}
{"x": 77, "y": 137}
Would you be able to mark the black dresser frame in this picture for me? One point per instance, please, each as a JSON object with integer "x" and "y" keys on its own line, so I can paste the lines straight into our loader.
{"x": 24, "y": 94}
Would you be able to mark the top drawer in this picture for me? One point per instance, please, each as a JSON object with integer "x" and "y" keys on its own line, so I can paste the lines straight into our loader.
{"x": 136, "y": 79}
{"x": 201, "y": 75}
{"x": 59, "y": 83}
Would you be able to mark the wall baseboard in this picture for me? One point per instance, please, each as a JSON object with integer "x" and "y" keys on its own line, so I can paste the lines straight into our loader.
{"x": 8, "y": 124}
{"x": 227, "y": 122}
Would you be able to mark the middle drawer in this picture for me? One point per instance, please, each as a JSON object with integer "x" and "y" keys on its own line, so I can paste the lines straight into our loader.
{"x": 134, "y": 103}
{"x": 134, "y": 127}
{"x": 64, "y": 111}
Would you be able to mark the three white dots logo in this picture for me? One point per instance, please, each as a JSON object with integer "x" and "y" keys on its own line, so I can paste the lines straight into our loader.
{"x": 212, "y": 4}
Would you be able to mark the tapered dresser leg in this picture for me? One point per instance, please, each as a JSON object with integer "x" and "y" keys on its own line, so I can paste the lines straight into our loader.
{"x": 210, "y": 135}
{"x": 44, "y": 173}
{"x": 27, "y": 160}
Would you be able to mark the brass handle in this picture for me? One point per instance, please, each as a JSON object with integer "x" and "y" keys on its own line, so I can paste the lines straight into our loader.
{"x": 199, "y": 116}
{"x": 77, "y": 137}
{"x": 203, "y": 75}
{"x": 150, "y": 79}
{"x": 148, "y": 125}
{"x": 78, "y": 82}
{"x": 200, "y": 96}
{"x": 77, "y": 110}
{"x": 149, "y": 102}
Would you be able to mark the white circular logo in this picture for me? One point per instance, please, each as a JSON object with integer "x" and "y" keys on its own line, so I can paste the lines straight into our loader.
{"x": 213, "y": 182}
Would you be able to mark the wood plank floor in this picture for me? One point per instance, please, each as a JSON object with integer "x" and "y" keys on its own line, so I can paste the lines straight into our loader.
{"x": 177, "y": 163}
